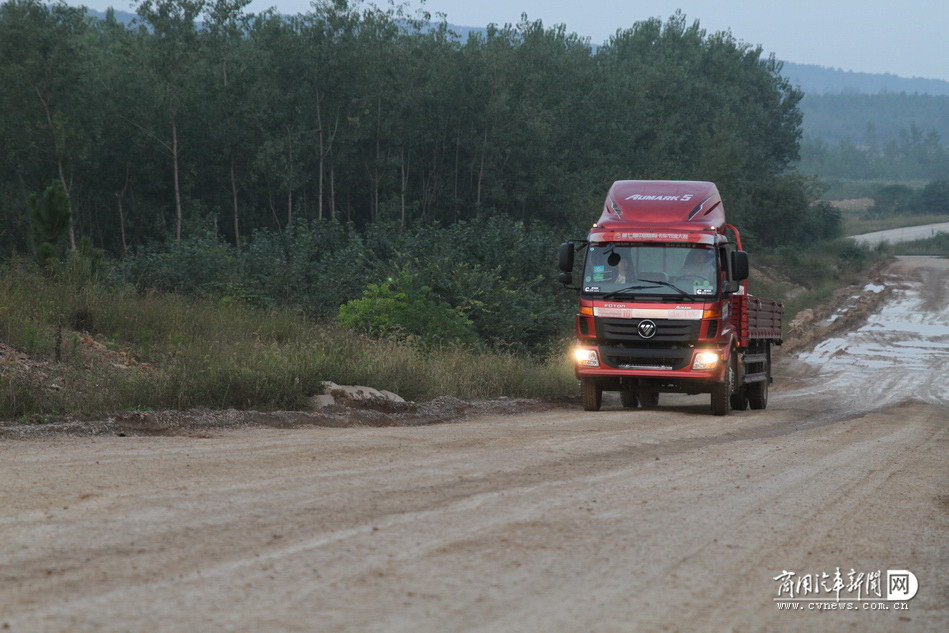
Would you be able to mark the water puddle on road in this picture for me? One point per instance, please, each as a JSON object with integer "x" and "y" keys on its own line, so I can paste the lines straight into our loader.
{"x": 900, "y": 353}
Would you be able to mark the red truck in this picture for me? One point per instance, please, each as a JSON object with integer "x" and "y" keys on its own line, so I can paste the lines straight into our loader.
{"x": 664, "y": 303}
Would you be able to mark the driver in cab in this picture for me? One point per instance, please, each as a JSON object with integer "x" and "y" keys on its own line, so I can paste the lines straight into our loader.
{"x": 698, "y": 264}
{"x": 698, "y": 271}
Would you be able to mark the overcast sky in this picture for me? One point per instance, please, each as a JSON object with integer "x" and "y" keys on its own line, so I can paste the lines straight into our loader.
{"x": 907, "y": 38}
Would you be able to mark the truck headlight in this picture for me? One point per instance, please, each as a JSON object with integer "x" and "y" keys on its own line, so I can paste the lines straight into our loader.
{"x": 705, "y": 360}
{"x": 586, "y": 357}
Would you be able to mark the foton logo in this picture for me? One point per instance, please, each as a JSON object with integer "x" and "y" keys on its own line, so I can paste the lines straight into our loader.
{"x": 647, "y": 328}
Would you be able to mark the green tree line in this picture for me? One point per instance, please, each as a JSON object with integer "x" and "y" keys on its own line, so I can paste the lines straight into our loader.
{"x": 897, "y": 198}
{"x": 912, "y": 155}
{"x": 201, "y": 116}
{"x": 876, "y": 118}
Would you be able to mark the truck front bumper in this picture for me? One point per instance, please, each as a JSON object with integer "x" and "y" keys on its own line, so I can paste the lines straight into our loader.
{"x": 713, "y": 375}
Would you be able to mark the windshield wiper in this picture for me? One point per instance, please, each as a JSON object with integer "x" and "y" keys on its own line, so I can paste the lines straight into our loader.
{"x": 653, "y": 281}
{"x": 616, "y": 292}
{"x": 673, "y": 286}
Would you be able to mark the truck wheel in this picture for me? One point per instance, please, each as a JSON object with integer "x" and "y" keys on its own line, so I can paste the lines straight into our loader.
{"x": 629, "y": 398}
{"x": 649, "y": 399}
{"x": 592, "y": 395}
{"x": 758, "y": 394}
{"x": 758, "y": 391}
{"x": 739, "y": 399}
{"x": 721, "y": 393}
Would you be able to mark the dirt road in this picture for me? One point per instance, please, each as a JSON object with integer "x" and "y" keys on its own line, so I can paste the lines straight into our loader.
{"x": 669, "y": 520}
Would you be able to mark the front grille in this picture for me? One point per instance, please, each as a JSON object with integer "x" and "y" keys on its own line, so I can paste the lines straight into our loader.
{"x": 667, "y": 330}
{"x": 628, "y": 362}
{"x": 648, "y": 358}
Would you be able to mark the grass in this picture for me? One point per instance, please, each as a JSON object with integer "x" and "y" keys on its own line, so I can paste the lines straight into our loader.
{"x": 937, "y": 245}
{"x": 220, "y": 355}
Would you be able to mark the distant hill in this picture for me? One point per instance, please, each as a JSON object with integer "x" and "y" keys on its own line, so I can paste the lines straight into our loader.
{"x": 814, "y": 79}
{"x": 866, "y": 119}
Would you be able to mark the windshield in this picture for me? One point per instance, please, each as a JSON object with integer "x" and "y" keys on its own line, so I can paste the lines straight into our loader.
{"x": 611, "y": 268}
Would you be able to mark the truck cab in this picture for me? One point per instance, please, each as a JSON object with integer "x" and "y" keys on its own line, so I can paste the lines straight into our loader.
{"x": 663, "y": 301}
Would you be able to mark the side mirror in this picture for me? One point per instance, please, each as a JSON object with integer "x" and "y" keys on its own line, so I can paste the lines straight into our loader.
{"x": 565, "y": 278}
{"x": 739, "y": 265}
{"x": 566, "y": 258}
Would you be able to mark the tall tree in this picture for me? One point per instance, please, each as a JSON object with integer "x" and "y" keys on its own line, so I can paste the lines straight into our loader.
{"x": 228, "y": 84}
{"x": 49, "y": 218}
{"x": 41, "y": 49}
{"x": 169, "y": 56}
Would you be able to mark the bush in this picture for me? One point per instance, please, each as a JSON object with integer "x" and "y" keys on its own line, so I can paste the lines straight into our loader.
{"x": 845, "y": 254}
{"x": 198, "y": 266}
{"x": 311, "y": 265}
{"x": 893, "y": 199}
{"x": 822, "y": 222}
{"x": 49, "y": 219}
{"x": 402, "y": 306}
{"x": 934, "y": 197}
{"x": 497, "y": 272}
{"x": 779, "y": 211}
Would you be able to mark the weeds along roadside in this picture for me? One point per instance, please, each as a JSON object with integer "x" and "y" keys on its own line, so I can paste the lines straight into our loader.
{"x": 202, "y": 353}
{"x": 938, "y": 246}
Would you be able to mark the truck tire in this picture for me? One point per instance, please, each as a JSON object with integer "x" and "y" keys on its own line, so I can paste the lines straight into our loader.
{"x": 758, "y": 391}
{"x": 758, "y": 395}
{"x": 739, "y": 399}
{"x": 649, "y": 399}
{"x": 629, "y": 398}
{"x": 592, "y": 395}
{"x": 722, "y": 392}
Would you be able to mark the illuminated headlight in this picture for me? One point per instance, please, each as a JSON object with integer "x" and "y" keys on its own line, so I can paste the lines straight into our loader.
{"x": 586, "y": 357}
{"x": 705, "y": 360}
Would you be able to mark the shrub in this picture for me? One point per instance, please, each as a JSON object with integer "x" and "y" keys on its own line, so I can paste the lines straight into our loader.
{"x": 497, "y": 272}
{"x": 934, "y": 197}
{"x": 199, "y": 266}
{"x": 49, "y": 218}
{"x": 893, "y": 199}
{"x": 779, "y": 212}
{"x": 402, "y": 306}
